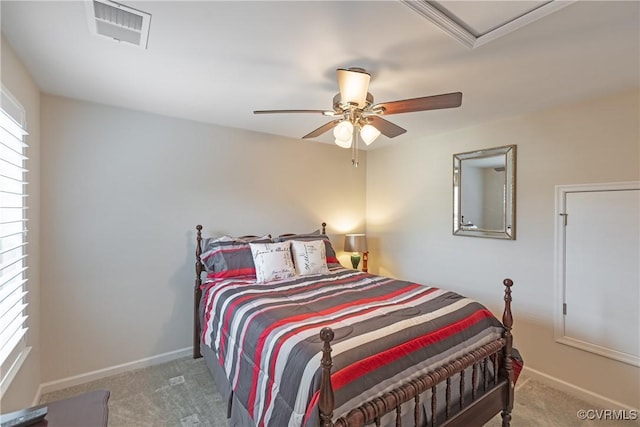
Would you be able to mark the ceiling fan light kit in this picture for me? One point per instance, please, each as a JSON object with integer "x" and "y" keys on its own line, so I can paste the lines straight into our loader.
{"x": 343, "y": 133}
{"x": 356, "y": 115}
{"x": 369, "y": 133}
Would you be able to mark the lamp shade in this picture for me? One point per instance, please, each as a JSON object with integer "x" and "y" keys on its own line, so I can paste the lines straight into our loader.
{"x": 369, "y": 133}
{"x": 343, "y": 133}
{"x": 355, "y": 243}
{"x": 354, "y": 84}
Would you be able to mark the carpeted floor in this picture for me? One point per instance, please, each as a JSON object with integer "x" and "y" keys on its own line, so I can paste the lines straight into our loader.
{"x": 181, "y": 393}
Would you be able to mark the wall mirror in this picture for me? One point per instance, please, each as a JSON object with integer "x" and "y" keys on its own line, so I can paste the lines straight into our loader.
{"x": 484, "y": 193}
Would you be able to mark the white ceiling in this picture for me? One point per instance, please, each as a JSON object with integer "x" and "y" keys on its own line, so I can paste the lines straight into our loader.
{"x": 481, "y": 17}
{"x": 216, "y": 62}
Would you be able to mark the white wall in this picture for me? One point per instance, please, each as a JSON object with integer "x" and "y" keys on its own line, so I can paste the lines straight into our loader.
{"x": 17, "y": 80}
{"x": 122, "y": 192}
{"x": 409, "y": 215}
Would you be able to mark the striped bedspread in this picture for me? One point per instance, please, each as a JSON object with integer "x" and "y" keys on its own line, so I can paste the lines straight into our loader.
{"x": 266, "y": 336}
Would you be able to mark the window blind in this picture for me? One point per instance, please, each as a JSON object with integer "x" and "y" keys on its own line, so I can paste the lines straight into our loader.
{"x": 13, "y": 231}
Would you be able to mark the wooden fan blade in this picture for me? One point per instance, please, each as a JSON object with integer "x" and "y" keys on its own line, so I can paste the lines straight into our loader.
{"x": 385, "y": 127}
{"x": 435, "y": 102}
{"x": 322, "y": 129}
{"x": 323, "y": 112}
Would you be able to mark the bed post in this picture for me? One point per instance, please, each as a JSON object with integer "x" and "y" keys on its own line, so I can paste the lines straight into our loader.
{"x": 507, "y": 321}
{"x": 324, "y": 228}
{"x": 197, "y": 294}
{"x": 326, "y": 401}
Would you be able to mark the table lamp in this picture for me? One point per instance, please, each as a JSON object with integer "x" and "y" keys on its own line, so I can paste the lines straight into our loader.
{"x": 356, "y": 243}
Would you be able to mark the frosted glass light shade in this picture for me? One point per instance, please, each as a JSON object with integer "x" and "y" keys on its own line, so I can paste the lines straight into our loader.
{"x": 343, "y": 133}
{"x": 354, "y": 84}
{"x": 369, "y": 134}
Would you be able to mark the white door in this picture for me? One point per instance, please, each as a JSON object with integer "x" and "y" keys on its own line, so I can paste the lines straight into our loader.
{"x": 602, "y": 272}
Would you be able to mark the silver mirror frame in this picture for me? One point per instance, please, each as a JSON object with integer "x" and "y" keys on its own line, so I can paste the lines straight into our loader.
{"x": 509, "y": 209}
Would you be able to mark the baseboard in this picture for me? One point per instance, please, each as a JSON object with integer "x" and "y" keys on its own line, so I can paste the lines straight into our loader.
{"x": 36, "y": 399}
{"x": 579, "y": 392}
{"x": 51, "y": 386}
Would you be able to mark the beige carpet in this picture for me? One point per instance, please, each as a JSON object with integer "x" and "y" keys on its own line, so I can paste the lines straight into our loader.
{"x": 182, "y": 394}
{"x": 179, "y": 393}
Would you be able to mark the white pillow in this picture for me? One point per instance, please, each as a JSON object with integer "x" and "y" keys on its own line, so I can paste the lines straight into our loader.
{"x": 273, "y": 261}
{"x": 309, "y": 257}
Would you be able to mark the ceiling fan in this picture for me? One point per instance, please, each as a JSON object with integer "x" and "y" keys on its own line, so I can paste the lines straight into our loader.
{"x": 355, "y": 114}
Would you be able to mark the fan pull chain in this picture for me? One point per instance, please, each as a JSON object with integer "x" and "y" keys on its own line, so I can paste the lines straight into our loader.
{"x": 354, "y": 147}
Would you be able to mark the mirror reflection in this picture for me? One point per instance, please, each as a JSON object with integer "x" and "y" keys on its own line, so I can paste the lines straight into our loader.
{"x": 484, "y": 193}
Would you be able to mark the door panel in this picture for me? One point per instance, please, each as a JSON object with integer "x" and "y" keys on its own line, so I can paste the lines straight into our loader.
{"x": 602, "y": 270}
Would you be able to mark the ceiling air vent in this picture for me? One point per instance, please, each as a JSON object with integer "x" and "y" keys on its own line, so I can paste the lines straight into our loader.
{"x": 118, "y": 22}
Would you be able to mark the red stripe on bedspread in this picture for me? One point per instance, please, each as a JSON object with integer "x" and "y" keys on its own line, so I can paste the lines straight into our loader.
{"x": 239, "y": 301}
{"x": 208, "y": 310}
{"x": 361, "y": 368}
{"x": 376, "y": 361}
{"x": 232, "y": 273}
{"x": 294, "y": 319}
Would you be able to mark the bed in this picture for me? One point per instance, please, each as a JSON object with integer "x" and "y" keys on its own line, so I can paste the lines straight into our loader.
{"x": 303, "y": 341}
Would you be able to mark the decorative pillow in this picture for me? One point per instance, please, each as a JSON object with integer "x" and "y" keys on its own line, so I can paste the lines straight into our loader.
{"x": 309, "y": 257}
{"x": 331, "y": 253}
{"x": 273, "y": 261}
{"x": 228, "y": 256}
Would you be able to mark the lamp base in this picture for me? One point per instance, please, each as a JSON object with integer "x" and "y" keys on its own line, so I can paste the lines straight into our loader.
{"x": 355, "y": 260}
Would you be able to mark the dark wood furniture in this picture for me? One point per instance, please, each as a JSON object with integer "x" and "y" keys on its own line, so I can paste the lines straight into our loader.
{"x": 492, "y": 378}
{"x": 85, "y": 410}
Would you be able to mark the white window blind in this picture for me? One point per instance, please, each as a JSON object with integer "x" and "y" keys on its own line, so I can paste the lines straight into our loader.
{"x": 13, "y": 234}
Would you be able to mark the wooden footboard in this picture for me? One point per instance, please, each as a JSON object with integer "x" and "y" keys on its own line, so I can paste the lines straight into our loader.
{"x": 489, "y": 396}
